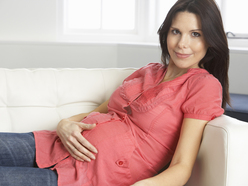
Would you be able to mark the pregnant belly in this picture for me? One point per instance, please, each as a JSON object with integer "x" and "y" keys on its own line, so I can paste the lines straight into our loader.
{"x": 108, "y": 127}
{"x": 115, "y": 144}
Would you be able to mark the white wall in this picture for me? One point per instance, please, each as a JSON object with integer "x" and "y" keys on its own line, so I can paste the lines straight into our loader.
{"x": 56, "y": 55}
{"x": 131, "y": 55}
{"x": 28, "y": 20}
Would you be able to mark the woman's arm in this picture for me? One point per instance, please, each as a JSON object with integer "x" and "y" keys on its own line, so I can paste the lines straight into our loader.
{"x": 69, "y": 131}
{"x": 184, "y": 158}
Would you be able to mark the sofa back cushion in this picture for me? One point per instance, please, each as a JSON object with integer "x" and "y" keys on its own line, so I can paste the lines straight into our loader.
{"x": 37, "y": 99}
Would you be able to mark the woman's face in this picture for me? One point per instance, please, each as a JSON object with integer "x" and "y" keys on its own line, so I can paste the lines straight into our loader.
{"x": 185, "y": 41}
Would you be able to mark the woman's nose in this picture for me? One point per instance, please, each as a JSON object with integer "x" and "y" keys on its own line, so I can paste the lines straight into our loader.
{"x": 183, "y": 41}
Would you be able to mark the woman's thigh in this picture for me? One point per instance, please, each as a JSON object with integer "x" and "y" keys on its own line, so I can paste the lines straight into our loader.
{"x": 17, "y": 149}
{"x": 27, "y": 176}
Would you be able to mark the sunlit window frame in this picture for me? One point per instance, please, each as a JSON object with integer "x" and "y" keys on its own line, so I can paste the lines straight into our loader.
{"x": 102, "y": 30}
{"x": 100, "y": 35}
{"x": 236, "y": 43}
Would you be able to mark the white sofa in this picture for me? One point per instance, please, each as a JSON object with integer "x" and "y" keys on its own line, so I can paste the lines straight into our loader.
{"x": 36, "y": 99}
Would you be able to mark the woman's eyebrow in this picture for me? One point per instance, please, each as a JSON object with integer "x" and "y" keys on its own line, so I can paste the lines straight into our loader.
{"x": 196, "y": 29}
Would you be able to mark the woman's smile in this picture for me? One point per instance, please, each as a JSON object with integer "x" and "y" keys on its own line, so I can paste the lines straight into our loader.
{"x": 182, "y": 56}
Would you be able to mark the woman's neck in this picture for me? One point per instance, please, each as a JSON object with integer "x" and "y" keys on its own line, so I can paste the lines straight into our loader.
{"x": 173, "y": 72}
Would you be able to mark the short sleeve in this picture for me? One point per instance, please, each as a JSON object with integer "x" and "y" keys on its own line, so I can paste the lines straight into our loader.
{"x": 204, "y": 98}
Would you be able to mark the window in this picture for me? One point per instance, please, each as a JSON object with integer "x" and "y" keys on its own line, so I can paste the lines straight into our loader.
{"x": 236, "y": 16}
{"x": 234, "y": 13}
{"x": 100, "y": 14}
{"x": 133, "y": 20}
{"x": 102, "y": 19}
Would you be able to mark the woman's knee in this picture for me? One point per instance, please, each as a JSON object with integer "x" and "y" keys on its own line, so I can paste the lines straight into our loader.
{"x": 17, "y": 149}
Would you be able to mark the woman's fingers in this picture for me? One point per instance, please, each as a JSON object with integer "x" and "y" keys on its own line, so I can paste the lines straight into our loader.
{"x": 73, "y": 154}
{"x": 70, "y": 135}
{"x": 81, "y": 148}
{"x": 85, "y": 156}
{"x": 85, "y": 143}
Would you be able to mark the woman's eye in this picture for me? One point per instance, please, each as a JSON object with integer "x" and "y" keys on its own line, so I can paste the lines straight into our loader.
{"x": 196, "y": 34}
{"x": 175, "y": 32}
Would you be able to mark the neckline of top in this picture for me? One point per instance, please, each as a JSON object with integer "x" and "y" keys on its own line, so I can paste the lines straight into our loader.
{"x": 189, "y": 72}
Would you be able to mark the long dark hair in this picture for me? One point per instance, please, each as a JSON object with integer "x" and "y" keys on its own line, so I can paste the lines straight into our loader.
{"x": 216, "y": 60}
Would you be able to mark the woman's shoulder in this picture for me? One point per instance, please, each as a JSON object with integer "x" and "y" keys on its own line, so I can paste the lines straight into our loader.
{"x": 203, "y": 78}
{"x": 204, "y": 97}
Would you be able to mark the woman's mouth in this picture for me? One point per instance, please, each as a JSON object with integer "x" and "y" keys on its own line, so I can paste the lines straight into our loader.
{"x": 182, "y": 56}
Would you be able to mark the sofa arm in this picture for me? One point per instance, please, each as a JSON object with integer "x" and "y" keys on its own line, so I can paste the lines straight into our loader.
{"x": 222, "y": 158}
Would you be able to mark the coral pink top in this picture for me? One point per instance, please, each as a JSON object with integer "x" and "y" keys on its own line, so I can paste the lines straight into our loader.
{"x": 138, "y": 136}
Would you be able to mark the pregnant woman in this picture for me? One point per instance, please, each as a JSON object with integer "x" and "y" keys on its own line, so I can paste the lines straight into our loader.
{"x": 156, "y": 117}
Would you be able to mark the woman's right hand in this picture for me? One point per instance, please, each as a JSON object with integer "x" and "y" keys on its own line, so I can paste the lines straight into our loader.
{"x": 70, "y": 135}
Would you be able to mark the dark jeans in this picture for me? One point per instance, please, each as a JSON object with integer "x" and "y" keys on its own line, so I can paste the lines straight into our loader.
{"x": 17, "y": 162}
